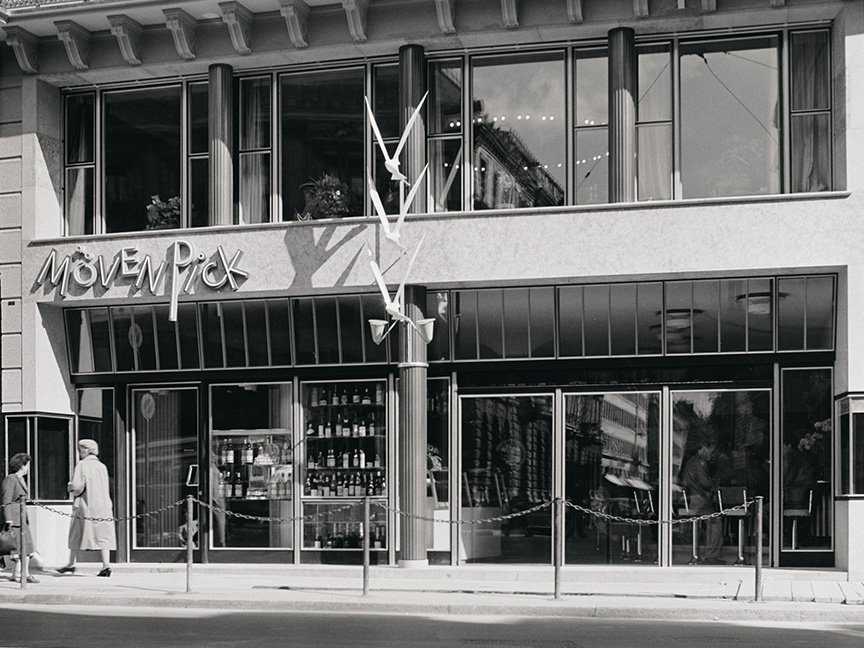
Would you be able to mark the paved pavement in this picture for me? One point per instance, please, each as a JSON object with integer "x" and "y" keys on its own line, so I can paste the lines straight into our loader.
{"x": 710, "y": 593}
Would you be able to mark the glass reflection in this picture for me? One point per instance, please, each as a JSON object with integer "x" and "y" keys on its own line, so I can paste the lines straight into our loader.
{"x": 438, "y": 464}
{"x": 445, "y": 100}
{"x": 611, "y": 466}
{"x": 730, "y": 118}
{"x": 518, "y": 132}
{"x": 506, "y": 468}
{"x": 720, "y": 455}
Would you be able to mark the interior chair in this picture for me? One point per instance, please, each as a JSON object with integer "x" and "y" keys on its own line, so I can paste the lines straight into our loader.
{"x": 797, "y": 504}
{"x": 728, "y": 497}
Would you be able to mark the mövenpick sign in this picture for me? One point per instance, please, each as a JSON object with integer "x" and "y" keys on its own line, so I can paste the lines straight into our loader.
{"x": 86, "y": 271}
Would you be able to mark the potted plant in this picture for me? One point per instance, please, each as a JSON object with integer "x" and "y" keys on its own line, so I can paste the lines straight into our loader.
{"x": 326, "y": 197}
{"x": 163, "y": 214}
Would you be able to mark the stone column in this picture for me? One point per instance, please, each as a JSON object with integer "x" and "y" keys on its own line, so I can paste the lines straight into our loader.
{"x": 411, "y": 459}
{"x": 412, "y": 87}
{"x": 221, "y": 146}
{"x": 623, "y": 86}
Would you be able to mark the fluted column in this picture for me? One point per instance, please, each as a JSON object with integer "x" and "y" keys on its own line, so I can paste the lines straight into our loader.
{"x": 623, "y": 84}
{"x": 412, "y": 87}
{"x": 221, "y": 147}
{"x": 412, "y": 433}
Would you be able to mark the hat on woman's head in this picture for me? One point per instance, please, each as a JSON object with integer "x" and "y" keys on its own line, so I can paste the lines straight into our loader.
{"x": 89, "y": 445}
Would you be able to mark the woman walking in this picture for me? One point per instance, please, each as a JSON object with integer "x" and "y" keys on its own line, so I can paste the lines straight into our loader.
{"x": 89, "y": 486}
{"x": 14, "y": 491}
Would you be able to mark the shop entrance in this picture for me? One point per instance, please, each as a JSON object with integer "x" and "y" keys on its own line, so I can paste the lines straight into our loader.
{"x": 164, "y": 471}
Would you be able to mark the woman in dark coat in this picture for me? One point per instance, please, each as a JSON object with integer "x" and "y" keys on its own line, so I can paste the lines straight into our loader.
{"x": 14, "y": 490}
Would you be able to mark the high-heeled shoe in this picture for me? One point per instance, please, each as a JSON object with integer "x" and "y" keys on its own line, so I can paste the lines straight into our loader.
{"x": 30, "y": 579}
{"x": 66, "y": 569}
{"x": 105, "y": 572}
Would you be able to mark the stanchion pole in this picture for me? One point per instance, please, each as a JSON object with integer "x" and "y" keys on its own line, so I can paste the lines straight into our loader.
{"x": 758, "y": 561}
{"x": 559, "y": 543}
{"x": 366, "y": 545}
{"x": 190, "y": 547}
{"x": 22, "y": 553}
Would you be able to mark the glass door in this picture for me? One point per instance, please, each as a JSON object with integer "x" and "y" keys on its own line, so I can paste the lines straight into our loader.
{"x": 165, "y": 470}
{"x": 611, "y": 465}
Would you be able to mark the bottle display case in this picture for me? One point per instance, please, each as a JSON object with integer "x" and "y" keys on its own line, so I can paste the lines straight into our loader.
{"x": 252, "y": 465}
{"x": 345, "y": 451}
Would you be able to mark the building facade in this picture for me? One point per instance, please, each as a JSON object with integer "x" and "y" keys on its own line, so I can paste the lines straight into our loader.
{"x": 636, "y": 237}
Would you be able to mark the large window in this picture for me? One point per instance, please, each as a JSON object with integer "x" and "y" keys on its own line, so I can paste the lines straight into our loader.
{"x": 48, "y": 441}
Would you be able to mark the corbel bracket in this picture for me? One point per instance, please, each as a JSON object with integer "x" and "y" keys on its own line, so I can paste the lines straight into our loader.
{"x": 128, "y": 34}
{"x": 446, "y": 10}
{"x": 574, "y": 11}
{"x": 296, "y": 15}
{"x": 26, "y": 48}
{"x": 510, "y": 13}
{"x": 640, "y": 8}
{"x": 239, "y": 21}
{"x": 709, "y": 6}
{"x": 355, "y": 11}
{"x": 182, "y": 27}
{"x": 76, "y": 39}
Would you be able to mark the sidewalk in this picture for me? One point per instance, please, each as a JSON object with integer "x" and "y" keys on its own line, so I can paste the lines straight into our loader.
{"x": 681, "y": 593}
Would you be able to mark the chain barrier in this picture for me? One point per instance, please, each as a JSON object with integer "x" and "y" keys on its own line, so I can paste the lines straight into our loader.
{"x": 650, "y": 521}
{"x": 312, "y": 517}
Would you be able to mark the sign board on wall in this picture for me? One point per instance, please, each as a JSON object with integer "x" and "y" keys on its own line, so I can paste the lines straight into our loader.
{"x": 179, "y": 272}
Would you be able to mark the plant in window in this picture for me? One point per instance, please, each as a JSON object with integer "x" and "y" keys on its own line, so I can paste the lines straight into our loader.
{"x": 163, "y": 214}
{"x": 326, "y": 197}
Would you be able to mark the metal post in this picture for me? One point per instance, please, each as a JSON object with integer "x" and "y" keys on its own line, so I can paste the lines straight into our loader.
{"x": 22, "y": 554}
{"x": 758, "y": 577}
{"x": 559, "y": 543}
{"x": 190, "y": 547}
{"x": 366, "y": 535}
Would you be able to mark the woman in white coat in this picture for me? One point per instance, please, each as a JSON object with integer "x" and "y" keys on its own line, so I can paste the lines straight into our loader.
{"x": 89, "y": 486}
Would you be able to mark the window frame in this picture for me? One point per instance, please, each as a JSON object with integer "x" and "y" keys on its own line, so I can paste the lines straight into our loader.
{"x": 31, "y": 423}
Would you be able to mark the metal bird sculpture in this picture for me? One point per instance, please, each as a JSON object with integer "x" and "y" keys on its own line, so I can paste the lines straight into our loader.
{"x": 391, "y": 162}
{"x": 394, "y": 307}
{"x": 393, "y": 233}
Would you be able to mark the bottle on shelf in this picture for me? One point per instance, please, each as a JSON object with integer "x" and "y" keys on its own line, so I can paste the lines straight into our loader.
{"x": 343, "y": 397}
{"x": 377, "y": 462}
{"x": 352, "y": 486}
{"x": 328, "y": 431}
{"x": 366, "y": 399}
{"x": 273, "y": 488}
{"x": 287, "y": 452}
{"x": 238, "y": 484}
{"x": 320, "y": 427}
{"x": 355, "y": 396}
{"x": 248, "y": 453}
{"x": 362, "y": 428}
{"x": 313, "y": 395}
{"x": 307, "y": 487}
{"x": 230, "y": 453}
{"x": 379, "y": 393}
{"x": 361, "y": 458}
{"x": 370, "y": 486}
{"x": 334, "y": 398}
{"x": 310, "y": 462}
{"x": 346, "y": 426}
{"x": 322, "y": 399}
{"x": 339, "y": 430}
{"x": 310, "y": 428}
{"x": 370, "y": 430}
{"x": 346, "y": 460}
{"x": 355, "y": 459}
{"x": 331, "y": 458}
{"x": 355, "y": 426}
{"x": 223, "y": 452}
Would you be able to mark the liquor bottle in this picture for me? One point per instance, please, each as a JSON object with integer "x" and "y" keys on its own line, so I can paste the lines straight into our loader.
{"x": 370, "y": 431}
{"x": 328, "y": 431}
{"x": 307, "y": 487}
{"x": 273, "y": 488}
{"x": 361, "y": 458}
{"x": 355, "y": 396}
{"x": 339, "y": 430}
{"x": 313, "y": 395}
{"x": 355, "y": 427}
{"x": 352, "y": 486}
{"x": 310, "y": 428}
{"x": 248, "y": 455}
{"x": 223, "y": 452}
{"x": 355, "y": 459}
{"x": 377, "y": 462}
{"x": 287, "y": 451}
{"x": 340, "y": 486}
{"x": 379, "y": 393}
{"x": 314, "y": 492}
{"x": 346, "y": 426}
{"x": 238, "y": 484}
{"x": 370, "y": 486}
{"x": 346, "y": 460}
{"x": 230, "y": 454}
{"x": 343, "y": 397}
{"x": 331, "y": 458}
{"x": 220, "y": 486}
{"x": 366, "y": 399}
{"x": 310, "y": 462}
{"x": 325, "y": 486}
{"x": 362, "y": 429}
{"x": 322, "y": 400}
{"x": 334, "y": 398}
{"x": 320, "y": 461}
{"x": 319, "y": 542}
{"x": 320, "y": 428}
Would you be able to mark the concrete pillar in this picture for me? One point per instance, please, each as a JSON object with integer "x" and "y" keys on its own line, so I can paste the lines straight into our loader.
{"x": 412, "y": 87}
{"x": 623, "y": 86}
{"x": 412, "y": 433}
{"x": 221, "y": 147}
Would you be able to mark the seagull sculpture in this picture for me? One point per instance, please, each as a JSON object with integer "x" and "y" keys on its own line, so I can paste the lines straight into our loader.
{"x": 394, "y": 307}
{"x": 391, "y": 163}
{"x": 394, "y": 233}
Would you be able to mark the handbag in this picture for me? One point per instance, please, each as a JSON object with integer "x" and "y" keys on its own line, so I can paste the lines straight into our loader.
{"x": 8, "y": 541}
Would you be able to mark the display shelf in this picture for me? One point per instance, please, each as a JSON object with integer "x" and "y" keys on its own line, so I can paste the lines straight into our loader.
{"x": 337, "y": 524}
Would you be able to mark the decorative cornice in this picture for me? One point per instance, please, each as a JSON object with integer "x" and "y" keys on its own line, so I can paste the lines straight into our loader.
{"x": 239, "y": 21}
{"x": 355, "y": 11}
{"x": 182, "y": 27}
{"x": 510, "y": 13}
{"x": 574, "y": 11}
{"x": 446, "y": 10}
{"x": 26, "y": 48}
{"x": 640, "y": 8}
{"x": 76, "y": 39}
{"x": 128, "y": 33}
{"x": 709, "y": 6}
{"x": 296, "y": 15}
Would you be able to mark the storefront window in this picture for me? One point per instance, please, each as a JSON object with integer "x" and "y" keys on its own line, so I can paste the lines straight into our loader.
{"x": 335, "y": 330}
{"x": 81, "y": 163}
{"x": 507, "y": 467}
{"x": 96, "y": 421}
{"x": 654, "y": 123}
{"x": 611, "y": 465}
{"x": 807, "y": 440}
{"x": 445, "y": 147}
{"x": 592, "y": 137}
{"x": 198, "y": 150}
{"x": 48, "y": 441}
{"x": 251, "y": 465}
{"x": 323, "y": 126}
{"x": 730, "y": 118}
{"x": 254, "y": 173}
{"x": 141, "y": 141}
{"x": 519, "y": 136}
{"x": 438, "y": 464}
{"x": 89, "y": 340}
{"x": 811, "y": 110}
{"x": 720, "y": 457}
{"x": 805, "y": 313}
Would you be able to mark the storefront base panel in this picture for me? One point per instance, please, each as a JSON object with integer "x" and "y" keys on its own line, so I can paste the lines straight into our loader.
{"x": 807, "y": 559}
{"x": 339, "y": 557}
{"x": 234, "y": 556}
